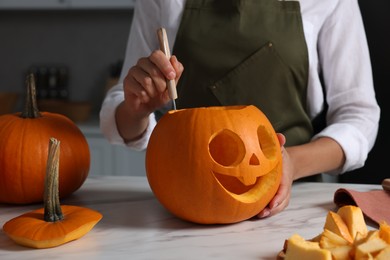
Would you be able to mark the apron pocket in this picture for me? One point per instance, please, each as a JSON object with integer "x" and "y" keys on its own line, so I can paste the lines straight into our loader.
{"x": 265, "y": 81}
{"x": 262, "y": 79}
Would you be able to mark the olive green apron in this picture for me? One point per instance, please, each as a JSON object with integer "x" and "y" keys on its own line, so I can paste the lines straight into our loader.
{"x": 241, "y": 52}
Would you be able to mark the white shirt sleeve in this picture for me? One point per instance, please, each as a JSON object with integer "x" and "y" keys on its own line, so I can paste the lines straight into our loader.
{"x": 141, "y": 43}
{"x": 148, "y": 17}
{"x": 353, "y": 113}
{"x": 108, "y": 123}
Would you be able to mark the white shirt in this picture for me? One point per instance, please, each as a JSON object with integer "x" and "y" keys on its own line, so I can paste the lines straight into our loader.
{"x": 337, "y": 47}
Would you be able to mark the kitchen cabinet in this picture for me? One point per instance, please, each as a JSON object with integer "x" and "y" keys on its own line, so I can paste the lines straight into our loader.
{"x": 108, "y": 159}
{"x": 65, "y": 4}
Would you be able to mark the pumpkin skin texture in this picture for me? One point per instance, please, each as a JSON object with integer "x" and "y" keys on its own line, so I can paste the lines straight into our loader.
{"x": 214, "y": 165}
{"x": 23, "y": 156}
{"x": 24, "y": 151}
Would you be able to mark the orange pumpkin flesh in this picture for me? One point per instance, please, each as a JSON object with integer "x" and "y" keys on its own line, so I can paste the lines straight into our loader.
{"x": 23, "y": 153}
{"x": 214, "y": 165}
{"x": 54, "y": 224}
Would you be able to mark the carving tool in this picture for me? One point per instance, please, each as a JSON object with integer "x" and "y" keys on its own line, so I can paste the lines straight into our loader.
{"x": 386, "y": 184}
{"x": 164, "y": 47}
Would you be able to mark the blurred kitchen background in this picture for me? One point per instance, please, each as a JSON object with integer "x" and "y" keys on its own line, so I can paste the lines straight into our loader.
{"x": 76, "y": 49}
{"x": 77, "y": 46}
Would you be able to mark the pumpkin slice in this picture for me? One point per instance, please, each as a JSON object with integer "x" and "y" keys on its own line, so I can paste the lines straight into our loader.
{"x": 367, "y": 244}
{"x": 359, "y": 238}
{"x": 353, "y": 217}
{"x": 336, "y": 224}
{"x": 384, "y": 232}
{"x": 329, "y": 239}
{"x": 299, "y": 248}
{"x": 372, "y": 234}
{"x": 52, "y": 225}
{"x": 384, "y": 254}
{"x": 370, "y": 248}
{"x": 341, "y": 252}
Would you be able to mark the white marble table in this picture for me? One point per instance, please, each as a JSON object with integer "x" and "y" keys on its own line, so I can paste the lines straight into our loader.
{"x": 136, "y": 226}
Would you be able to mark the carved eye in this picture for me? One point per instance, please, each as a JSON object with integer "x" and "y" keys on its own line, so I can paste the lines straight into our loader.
{"x": 267, "y": 143}
{"x": 227, "y": 148}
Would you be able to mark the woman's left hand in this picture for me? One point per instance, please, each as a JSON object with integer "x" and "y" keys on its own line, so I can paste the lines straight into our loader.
{"x": 282, "y": 196}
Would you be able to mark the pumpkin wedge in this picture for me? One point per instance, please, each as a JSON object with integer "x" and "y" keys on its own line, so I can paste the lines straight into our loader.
{"x": 384, "y": 231}
{"x": 336, "y": 224}
{"x": 353, "y": 217}
{"x": 54, "y": 224}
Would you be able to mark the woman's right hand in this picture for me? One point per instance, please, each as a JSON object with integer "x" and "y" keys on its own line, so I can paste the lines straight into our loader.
{"x": 145, "y": 86}
{"x": 145, "y": 90}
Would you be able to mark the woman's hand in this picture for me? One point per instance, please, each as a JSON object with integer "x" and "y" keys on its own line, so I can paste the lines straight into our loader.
{"x": 317, "y": 156}
{"x": 282, "y": 197}
{"x": 145, "y": 90}
{"x": 145, "y": 85}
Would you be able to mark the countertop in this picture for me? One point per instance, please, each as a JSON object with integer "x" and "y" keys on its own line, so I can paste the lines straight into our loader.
{"x": 136, "y": 226}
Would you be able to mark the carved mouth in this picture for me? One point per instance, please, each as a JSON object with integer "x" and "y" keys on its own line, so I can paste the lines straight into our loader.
{"x": 233, "y": 184}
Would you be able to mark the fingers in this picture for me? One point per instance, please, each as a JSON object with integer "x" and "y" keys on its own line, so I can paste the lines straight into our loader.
{"x": 133, "y": 88}
{"x": 177, "y": 66}
{"x": 281, "y": 138}
{"x": 282, "y": 197}
{"x": 148, "y": 77}
{"x": 277, "y": 204}
{"x": 163, "y": 64}
{"x": 146, "y": 81}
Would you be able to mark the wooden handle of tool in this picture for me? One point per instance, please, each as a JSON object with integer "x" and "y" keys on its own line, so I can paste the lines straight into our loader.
{"x": 386, "y": 184}
{"x": 164, "y": 47}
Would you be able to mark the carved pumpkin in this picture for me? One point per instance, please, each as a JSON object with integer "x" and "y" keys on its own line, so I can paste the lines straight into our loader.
{"x": 214, "y": 165}
{"x": 23, "y": 152}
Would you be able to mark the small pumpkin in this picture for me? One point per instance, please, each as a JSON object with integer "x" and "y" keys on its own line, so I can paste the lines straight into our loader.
{"x": 54, "y": 224}
{"x": 214, "y": 165}
{"x": 23, "y": 152}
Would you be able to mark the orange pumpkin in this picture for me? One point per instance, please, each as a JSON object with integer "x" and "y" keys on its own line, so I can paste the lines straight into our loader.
{"x": 24, "y": 150}
{"x": 214, "y": 165}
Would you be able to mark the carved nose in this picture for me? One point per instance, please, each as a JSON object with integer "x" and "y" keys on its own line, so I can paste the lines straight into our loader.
{"x": 254, "y": 160}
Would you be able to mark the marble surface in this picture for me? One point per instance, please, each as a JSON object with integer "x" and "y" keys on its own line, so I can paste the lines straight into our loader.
{"x": 136, "y": 226}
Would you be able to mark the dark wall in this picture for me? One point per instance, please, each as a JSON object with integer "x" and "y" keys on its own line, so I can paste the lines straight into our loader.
{"x": 377, "y": 23}
{"x": 87, "y": 42}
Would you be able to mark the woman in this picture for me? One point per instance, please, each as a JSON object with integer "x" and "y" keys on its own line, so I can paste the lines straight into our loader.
{"x": 290, "y": 58}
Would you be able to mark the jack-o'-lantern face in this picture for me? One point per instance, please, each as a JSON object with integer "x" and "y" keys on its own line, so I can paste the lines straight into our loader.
{"x": 237, "y": 163}
{"x": 215, "y": 164}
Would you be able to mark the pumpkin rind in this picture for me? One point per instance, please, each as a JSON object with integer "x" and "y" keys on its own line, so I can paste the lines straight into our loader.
{"x": 23, "y": 155}
{"x": 24, "y": 150}
{"x": 183, "y": 174}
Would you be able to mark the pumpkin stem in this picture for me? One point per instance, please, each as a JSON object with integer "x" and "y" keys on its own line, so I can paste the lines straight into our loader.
{"x": 51, "y": 200}
{"x": 30, "y": 105}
